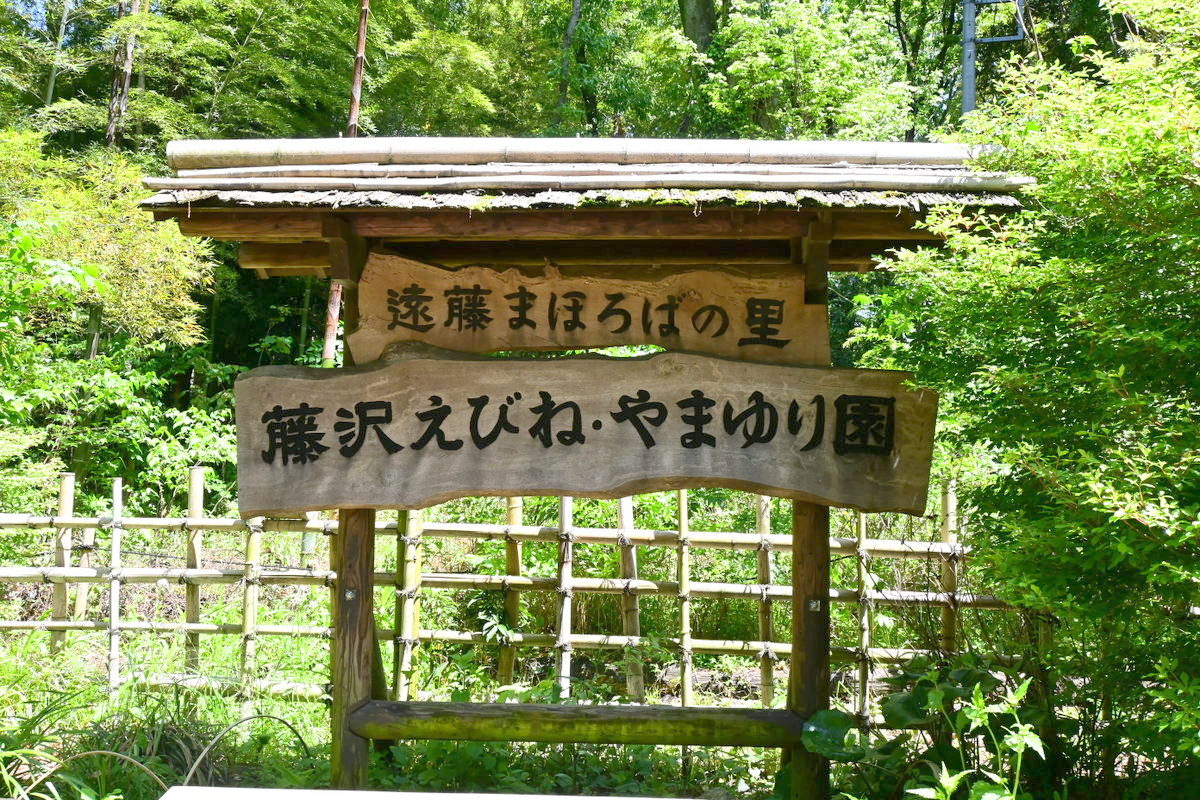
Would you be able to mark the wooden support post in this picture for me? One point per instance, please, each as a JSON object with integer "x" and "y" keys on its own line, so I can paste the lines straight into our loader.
{"x": 566, "y": 555}
{"x": 866, "y": 584}
{"x": 512, "y": 598}
{"x": 194, "y": 556}
{"x": 949, "y": 531}
{"x": 353, "y": 642}
{"x": 631, "y": 623}
{"x": 250, "y": 592}
{"x": 114, "y": 589}
{"x": 766, "y": 621}
{"x": 62, "y": 556}
{"x": 408, "y": 563}
{"x": 808, "y": 678}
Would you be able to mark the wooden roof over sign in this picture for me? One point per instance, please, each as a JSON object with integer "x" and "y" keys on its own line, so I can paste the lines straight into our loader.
{"x": 529, "y": 201}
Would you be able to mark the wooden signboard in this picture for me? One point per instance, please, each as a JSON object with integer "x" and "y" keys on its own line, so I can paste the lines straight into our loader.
{"x": 412, "y": 431}
{"x": 748, "y": 313}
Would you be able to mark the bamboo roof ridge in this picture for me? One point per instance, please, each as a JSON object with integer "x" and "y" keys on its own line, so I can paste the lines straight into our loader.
{"x": 365, "y": 172}
{"x": 209, "y": 154}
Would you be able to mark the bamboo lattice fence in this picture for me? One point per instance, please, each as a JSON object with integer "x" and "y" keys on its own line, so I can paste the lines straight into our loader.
{"x": 411, "y": 531}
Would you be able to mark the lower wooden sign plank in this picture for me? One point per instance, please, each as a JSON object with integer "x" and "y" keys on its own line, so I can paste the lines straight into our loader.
{"x": 428, "y": 426}
{"x": 750, "y": 313}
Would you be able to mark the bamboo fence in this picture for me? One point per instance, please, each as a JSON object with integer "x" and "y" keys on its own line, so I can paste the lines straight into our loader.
{"x": 408, "y": 581}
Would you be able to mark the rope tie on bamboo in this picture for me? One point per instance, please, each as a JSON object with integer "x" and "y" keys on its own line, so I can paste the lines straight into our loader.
{"x": 255, "y": 525}
{"x": 411, "y": 541}
{"x": 45, "y": 573}
{"x": 685, "y": 655}
{"x": 764, "y": 543}
{"x": 623, "y": 539}
{"x": 565, "y": 592}
{"x": 563, "y": 645}
{"x": 764, "y": 592}
{"x": 627, "y": 587}
{"x": 108, "y": 522}
{"x": 405, "y": 641}
{"x": 768, "y": 653}
{"x": 684, "y": 541}
{"x": 508, "y": 536}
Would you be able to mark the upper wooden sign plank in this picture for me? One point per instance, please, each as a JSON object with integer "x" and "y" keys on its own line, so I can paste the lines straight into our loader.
{"x": 754, "y": 314}
{"x": 412, "y": 432}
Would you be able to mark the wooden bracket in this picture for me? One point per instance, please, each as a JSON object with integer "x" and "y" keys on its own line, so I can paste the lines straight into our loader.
{"x": 347, "y": 250}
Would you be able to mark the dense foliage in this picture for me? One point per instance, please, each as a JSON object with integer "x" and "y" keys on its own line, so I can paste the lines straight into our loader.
{"x": 1063, "y": 338}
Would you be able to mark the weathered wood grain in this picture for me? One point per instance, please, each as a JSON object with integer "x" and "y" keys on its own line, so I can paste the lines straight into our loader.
{"x": 760, "y": 425}
{"x": 482, "y": 309}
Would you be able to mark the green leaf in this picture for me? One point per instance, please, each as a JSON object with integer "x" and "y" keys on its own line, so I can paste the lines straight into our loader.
{"x": 826, "y": 732}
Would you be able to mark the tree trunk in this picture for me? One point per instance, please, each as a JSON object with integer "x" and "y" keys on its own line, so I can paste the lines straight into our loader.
{"x": 118, "y": 102}
{"x": 564, "y": 73}
{"x": 699, "y": 21}
{"x": 591, "y": 106}
{"x": 58, "y": 46}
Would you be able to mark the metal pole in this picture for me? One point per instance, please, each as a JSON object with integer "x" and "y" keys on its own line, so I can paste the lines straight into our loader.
{"x": 968, "y": 65}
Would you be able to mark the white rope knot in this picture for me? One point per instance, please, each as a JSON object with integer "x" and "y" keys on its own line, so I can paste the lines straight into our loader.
{"x": 764, "y": 543}
{"x": 623, "y": 540}
{"x": 255, "y": 525}
{"x": 769, "y": 654}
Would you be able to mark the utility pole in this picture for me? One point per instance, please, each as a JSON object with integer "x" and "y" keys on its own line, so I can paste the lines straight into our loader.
{"x": 970, "y": 40}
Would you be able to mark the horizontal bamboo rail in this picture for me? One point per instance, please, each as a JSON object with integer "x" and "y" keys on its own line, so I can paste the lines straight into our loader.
{"x": 449, "y": 580}
{"x": 530, "y": 722}
{"x": 712, "y": 540}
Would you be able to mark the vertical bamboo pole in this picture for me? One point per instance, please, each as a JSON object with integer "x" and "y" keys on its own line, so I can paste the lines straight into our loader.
{"x": 87, "y": 545}
{"x": 766, "y": 621}
{"x": 684, "y": 577}
{"x": 114, "y": 589}
{"x": 194, "y": 556}
{"x": 512, "y": 599}
{"x": 250, "y": 592}
{"x": 949, "y": 531}
{"x": 353, "y": 642}
{"x": 408, "y": 560}
{"x": 631, "y": 623}
{"x": 360, "y": 58}
{"x": 62, "y": 554}
{"x": 566, "y": 555}
{"x": 308, "y": 542}
{"x": 866, "y": 584}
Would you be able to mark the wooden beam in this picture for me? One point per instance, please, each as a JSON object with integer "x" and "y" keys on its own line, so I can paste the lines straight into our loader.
{"x": 250, "y": 226}
{"x": 285, "y": 225}
{"x": 771, "y": 252}
{"x": 304, "y": 258}
{"x": 531, "y": 722}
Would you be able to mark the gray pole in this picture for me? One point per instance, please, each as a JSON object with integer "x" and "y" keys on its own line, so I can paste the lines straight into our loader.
{"x": 968, "y": 63}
